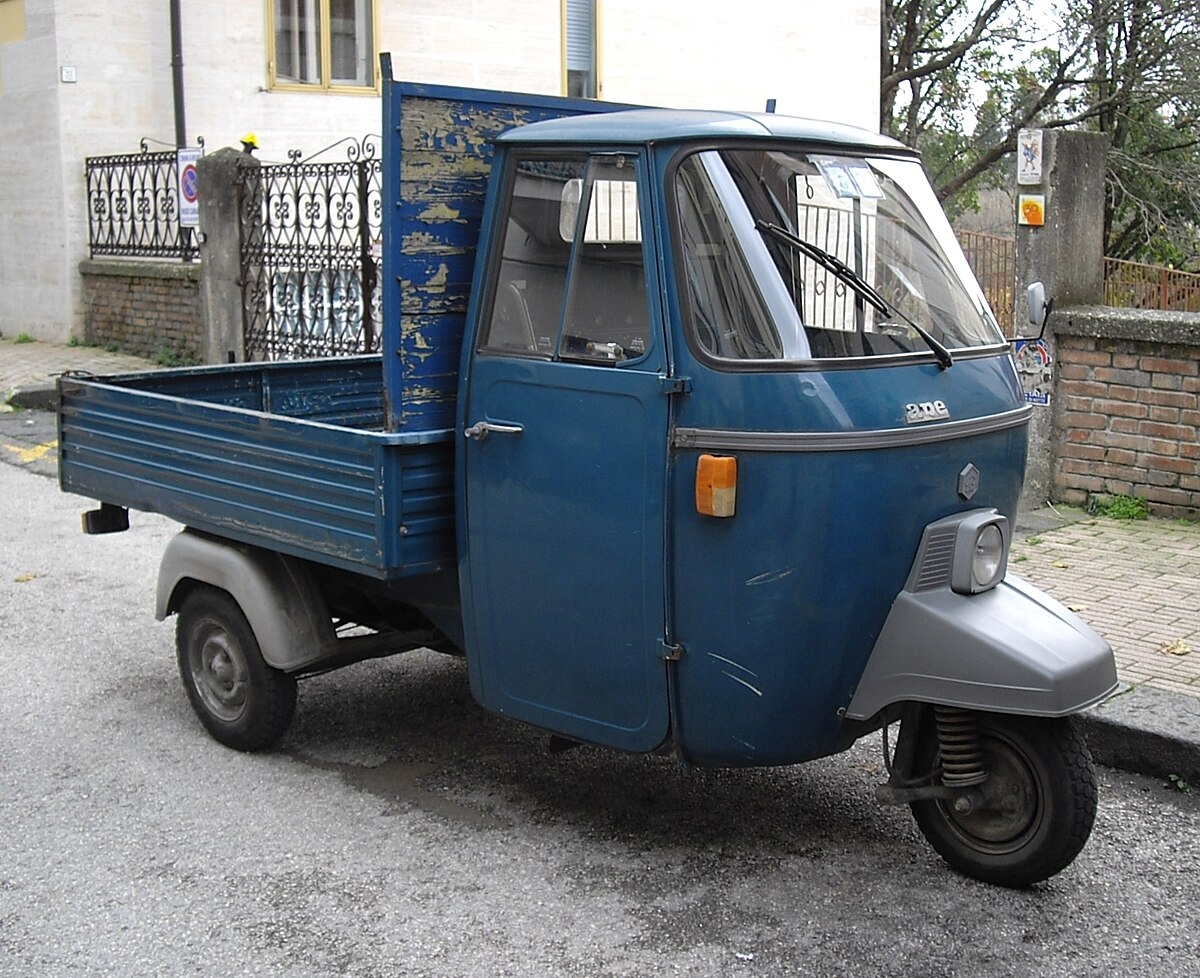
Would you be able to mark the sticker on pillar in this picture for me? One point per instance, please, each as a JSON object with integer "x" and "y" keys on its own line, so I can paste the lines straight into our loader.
{"x": 1029, "y": 157}
{"x": 1031, "y": 210}
{"x": 1034, "y": 367}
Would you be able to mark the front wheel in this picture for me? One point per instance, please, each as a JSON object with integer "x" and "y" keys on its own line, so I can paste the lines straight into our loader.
{"x": 242, "y": 701}
{"x": 1031, "y": 816}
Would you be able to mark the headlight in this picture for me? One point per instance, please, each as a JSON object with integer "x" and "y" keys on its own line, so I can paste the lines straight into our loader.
{"x": 980, "y": 553}
{"x": 989, "y": 552}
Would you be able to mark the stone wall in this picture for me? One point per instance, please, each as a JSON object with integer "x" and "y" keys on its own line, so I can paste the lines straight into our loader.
{"x": 1127, "y": 408}
{"x": 148, "y": 308}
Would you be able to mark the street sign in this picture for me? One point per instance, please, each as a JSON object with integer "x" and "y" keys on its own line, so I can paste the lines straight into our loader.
{"x": 189, "y": 197}
{"x": 1029, "y": 157}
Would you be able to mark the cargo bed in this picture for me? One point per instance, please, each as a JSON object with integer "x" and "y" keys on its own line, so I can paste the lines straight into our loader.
{"x": 288, "y": 456}
{"x": 347, "y": 461}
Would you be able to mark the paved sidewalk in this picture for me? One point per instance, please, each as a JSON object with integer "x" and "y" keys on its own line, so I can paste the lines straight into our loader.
{"x": 28, "y": 370}
{"x": 1137, "y": 582}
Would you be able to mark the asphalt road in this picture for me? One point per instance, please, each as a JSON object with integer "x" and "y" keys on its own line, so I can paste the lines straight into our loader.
{"x": 400, "y": 830}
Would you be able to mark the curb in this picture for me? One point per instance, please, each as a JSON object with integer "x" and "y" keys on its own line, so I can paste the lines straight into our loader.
{"x": 1147, "y": 731}
{"x": 34, "y": 398}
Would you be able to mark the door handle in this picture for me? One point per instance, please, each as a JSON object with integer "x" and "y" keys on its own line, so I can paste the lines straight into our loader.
{"x": 481, "y": 429}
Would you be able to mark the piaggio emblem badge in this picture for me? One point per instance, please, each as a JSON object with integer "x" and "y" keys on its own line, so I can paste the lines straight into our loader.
{"x": 968, "y": 481}
{"x": 924, "y": 411}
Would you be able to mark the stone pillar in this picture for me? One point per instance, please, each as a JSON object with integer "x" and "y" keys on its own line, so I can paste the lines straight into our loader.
{"x": 1066, "y": 254}
{"x": 220, "y": 253}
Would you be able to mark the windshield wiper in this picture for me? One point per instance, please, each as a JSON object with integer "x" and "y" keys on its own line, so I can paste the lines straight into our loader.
{"x": 860, "y": 285}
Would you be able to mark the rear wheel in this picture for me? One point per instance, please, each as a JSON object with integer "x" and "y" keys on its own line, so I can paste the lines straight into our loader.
{"x": 242, "y": 701}
{"x": 1031, "y": 816}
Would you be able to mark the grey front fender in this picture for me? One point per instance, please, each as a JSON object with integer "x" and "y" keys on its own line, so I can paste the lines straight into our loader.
{"x": 1012, "y": 649}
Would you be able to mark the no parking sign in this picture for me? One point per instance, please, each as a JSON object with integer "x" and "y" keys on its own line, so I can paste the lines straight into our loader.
{"x": 189, "y": 197}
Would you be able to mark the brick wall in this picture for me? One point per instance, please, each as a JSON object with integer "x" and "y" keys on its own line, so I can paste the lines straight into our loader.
{"x": 148, "y": 308}
{"x": 1127, "y": 408}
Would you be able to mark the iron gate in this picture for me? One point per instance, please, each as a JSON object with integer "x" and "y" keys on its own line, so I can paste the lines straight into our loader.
{"x": 133, "y": 206}
{"x": 310, "y": 246}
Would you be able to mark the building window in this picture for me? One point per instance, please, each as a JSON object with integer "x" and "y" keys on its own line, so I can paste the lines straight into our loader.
{"x": 581, "y": 75}
{"x": 323, "y": 44}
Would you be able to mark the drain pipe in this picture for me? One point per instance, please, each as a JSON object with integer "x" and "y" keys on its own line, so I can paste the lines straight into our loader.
{"x": 177, "y": 74}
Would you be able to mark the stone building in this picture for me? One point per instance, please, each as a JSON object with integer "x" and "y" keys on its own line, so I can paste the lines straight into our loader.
{"x": 80, "y": 78}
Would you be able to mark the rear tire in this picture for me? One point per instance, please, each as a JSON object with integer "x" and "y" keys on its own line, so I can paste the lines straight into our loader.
{"x": 1032, "y": 815}
{"x": 242, "y": 702}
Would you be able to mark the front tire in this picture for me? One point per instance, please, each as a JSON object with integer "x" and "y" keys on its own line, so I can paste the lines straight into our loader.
{"x": 1032, "y": 815}
{"x": 242, "y": 702}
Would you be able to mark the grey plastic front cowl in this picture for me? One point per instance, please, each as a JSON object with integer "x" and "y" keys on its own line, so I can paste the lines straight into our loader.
{"x": 1012, "y": 649}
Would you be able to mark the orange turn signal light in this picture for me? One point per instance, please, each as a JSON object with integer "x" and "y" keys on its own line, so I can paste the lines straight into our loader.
{"x": 716, "y": 485}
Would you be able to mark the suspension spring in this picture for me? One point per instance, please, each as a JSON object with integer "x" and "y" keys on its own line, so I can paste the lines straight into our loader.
{"x": 963, "y": 762}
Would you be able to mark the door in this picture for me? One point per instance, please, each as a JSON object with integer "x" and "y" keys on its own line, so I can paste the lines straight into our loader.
{"x": 565, "y": 463}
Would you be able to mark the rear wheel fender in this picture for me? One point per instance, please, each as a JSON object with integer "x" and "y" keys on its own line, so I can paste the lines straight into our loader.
{"x": 281, "y": 602}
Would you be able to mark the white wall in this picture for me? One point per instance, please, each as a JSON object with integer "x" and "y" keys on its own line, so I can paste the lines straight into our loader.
{"x": 32, "y": 195}
{"x": 816, "y": 59}
{"x": 511, "y": 44}
{"x": 121, "y": 57}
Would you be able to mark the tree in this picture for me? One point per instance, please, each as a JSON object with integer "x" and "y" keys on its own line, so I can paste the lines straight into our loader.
{"x": 1145, "y": 94}
{"x": 960, "y": 78}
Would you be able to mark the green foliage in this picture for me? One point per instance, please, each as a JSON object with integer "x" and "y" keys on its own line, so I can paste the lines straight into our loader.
{"x": 23, "y": 338}
{"x": 172, "y": 358}
{"x": 959, "y": 78}
{"x": 1119, "y": 507}
{"x": 1178, "y": 783}
{"x": 1152, "y": 187}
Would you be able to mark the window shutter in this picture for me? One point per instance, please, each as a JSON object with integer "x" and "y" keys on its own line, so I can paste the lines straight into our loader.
{"x": 581, "y": 35}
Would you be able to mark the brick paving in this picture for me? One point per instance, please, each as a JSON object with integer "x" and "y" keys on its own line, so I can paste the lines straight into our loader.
{"x": 1137, "y": 582}
{"x": 27, "y": 366}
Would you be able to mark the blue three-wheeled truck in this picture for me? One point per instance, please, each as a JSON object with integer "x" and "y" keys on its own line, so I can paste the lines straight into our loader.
{"x": 692, "y": 431}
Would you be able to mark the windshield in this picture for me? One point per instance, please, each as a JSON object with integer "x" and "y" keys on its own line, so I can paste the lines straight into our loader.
{"x": 798, "y": 256}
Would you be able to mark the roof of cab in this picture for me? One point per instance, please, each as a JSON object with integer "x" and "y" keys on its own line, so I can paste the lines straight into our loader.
{"x": 676, "y": 125}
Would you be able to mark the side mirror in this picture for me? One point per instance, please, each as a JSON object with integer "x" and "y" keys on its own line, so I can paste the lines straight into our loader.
{"x": 1039, "y": 309}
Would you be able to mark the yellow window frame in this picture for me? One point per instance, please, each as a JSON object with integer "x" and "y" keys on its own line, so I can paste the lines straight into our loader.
{"x": 326, "y": 56}
{"x": 599, "y": 51}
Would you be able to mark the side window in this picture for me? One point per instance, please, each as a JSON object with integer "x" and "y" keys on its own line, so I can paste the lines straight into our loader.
{"x": 728, "y": 314}
{"x": 527, "y": 307}
{"x": 607, "y": 317}
{"x": 571, "y": 283}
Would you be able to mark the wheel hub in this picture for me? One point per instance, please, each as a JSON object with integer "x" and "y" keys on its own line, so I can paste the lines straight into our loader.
{"x": 1005, "y": 809}
{"x": 219, "y": 671}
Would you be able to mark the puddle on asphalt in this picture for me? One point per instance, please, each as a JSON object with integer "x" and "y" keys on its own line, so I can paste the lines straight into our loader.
{"x": 398, "y": 782}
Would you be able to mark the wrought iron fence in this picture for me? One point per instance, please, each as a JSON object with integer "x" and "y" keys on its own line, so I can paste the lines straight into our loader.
{"x": 1132, "y": 285}
{"x": 133, "y": 206}
{"x": 993, "y": 259}
{"x": 1127, "y": 284}
{"x": 310, "y": 235}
